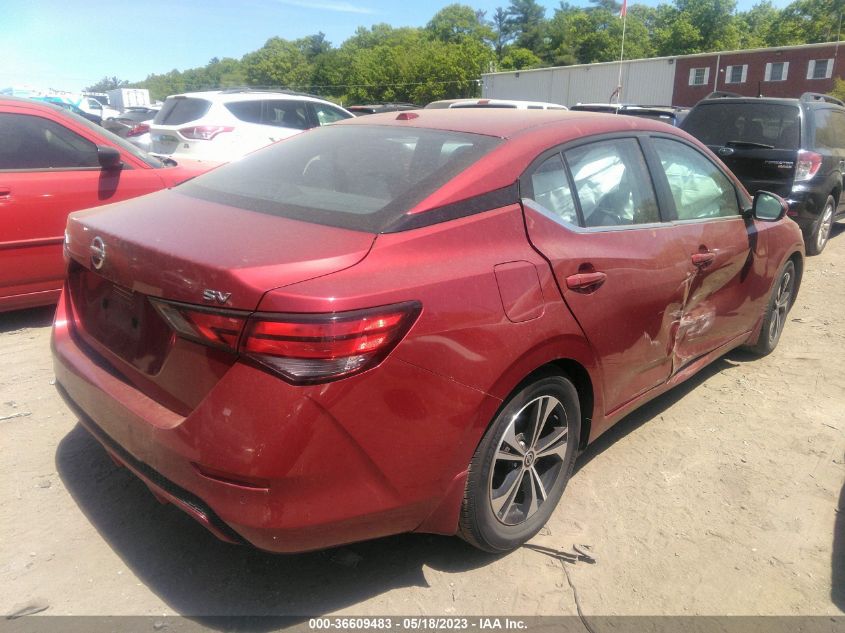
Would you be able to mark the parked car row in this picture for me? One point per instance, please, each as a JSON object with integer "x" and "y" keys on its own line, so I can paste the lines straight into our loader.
{"x": 53, "y": 162}
{"x": 409, "y": 321}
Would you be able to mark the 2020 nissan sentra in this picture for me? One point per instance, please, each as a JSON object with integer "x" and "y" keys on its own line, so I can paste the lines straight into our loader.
{"x": 413, "y": 321}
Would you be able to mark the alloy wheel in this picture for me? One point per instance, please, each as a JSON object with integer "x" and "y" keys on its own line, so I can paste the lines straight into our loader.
{"x": 825, "y": 225}
{"x": 529, "y": 460}
{"x": 783, "y": 300}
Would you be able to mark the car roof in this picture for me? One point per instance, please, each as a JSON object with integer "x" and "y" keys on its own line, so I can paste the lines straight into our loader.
{"x": 226, "y": 96}
{"x": 452, "y": 103}
{"x": 506, "y": 123}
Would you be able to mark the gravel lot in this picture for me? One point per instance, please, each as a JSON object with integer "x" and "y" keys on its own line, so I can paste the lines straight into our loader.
{"x": 718, "y": 498}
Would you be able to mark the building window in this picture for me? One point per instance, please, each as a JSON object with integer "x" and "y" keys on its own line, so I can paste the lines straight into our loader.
{"x": 698, "y": 76}
{"x": 776, "y": 71}
{"x": 736, "y": 74}
{"x": 820, "y": 69}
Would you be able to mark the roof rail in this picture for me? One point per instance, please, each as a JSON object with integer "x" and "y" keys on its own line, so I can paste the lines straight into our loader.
{"x": 817, "y": 96}
{"x": 720, "y": 94}
{"x": 294, "y": 93}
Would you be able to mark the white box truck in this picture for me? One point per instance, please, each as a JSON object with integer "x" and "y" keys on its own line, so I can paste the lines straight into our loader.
{"x": 122, "y": 98}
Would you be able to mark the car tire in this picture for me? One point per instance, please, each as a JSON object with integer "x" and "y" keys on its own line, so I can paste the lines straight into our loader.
{"x": 517, "y": 476}
{"x": 821, "y": 229}
{"x": 774, "y": 318}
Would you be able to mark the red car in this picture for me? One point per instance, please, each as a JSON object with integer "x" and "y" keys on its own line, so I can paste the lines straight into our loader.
{"x": 53, "y": 162}
{"x": 410, "y": 322}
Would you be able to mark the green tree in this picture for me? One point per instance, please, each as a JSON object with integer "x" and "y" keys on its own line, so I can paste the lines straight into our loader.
{"x": 457, "y": 21}
{"x": 516, "y": 58}
{"x": 502, "y": 30}
{"x": 527, "y": 22}
{"x": 808, "y": 22}
{"x": 279, "y": 63}
{"x": 107, "y": 83}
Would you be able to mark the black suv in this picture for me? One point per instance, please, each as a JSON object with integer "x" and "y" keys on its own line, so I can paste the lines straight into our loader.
{"x": 791, "y": 147}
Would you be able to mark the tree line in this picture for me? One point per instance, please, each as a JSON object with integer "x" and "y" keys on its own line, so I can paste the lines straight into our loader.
{"x": 446, "y": 58}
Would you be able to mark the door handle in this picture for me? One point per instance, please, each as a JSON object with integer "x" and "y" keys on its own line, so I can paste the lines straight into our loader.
{"x": 5, "y": 191}
{"x": 586, "y": 282}
{"x": 702, "y": 260}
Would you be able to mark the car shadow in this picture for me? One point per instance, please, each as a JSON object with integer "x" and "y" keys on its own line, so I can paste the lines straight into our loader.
{"x": 22, "y": 319}
{"x": 224, "y": 586}
{"x": 837, "y": 562}
{"x": 654, "y": 408}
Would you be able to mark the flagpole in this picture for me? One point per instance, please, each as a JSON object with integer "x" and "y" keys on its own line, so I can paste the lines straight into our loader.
{"x": 624, "y": 12}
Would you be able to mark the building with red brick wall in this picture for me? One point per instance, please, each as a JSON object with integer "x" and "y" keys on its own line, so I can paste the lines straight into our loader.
{"x": 787, "y": 71}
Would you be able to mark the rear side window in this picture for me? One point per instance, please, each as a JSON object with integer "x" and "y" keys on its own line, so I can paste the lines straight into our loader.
{"x": 179, "y": 110}
{"x": 830, "y": 129}
{"x": 765, "y": 125}
{"x": 278, "y": 112}
{"x": 550, "y": 189}
{"x": 358, "y": 177}
{"x": 613, "y": 183}
{"x": 33, "y": 142}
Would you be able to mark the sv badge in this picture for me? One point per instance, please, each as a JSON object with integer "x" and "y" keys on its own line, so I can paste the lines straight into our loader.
{"x": 215, "y": 295}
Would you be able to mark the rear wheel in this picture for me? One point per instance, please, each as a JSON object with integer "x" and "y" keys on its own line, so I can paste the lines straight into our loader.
{"x": 521, "y": 466}
{"x": 783, "y": 294}
{"x": 821, "y": 231}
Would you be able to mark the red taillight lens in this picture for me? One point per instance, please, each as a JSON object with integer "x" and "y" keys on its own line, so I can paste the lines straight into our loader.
{"x": 307, "y": 348}
{"x": 302, "y": 348}
{"x": 204, "y": 132}
{"x": 141, "y": 128}
{"x": 807, "y": 165}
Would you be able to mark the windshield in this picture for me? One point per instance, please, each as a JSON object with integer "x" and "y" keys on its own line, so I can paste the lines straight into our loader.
{"x": 126, "y": 146}
{"x": 766, "y": 125}
{"x": 357, "y": 177}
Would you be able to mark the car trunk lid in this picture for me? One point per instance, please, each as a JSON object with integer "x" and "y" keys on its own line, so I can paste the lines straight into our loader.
{"x": 127, "y": 257}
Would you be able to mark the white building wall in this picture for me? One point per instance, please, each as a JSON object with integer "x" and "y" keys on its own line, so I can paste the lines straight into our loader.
{"x": 645, "y": 81}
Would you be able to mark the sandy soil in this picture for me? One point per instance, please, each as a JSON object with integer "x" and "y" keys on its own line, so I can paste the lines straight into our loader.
{"x": 718, "y": 498}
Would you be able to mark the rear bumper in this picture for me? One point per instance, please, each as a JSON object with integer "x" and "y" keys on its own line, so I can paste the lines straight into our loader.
{"x": 288, "y": 468}
{"x": 805, "y": 206}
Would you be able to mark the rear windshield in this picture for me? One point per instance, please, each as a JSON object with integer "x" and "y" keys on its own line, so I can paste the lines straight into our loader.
{"x": 357, "y": 177}
{"x": 179, "y": 110}
{"x": 758, "y": 124}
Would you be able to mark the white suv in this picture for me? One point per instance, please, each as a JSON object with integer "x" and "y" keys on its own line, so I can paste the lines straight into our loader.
{"x": 223, "y": 125}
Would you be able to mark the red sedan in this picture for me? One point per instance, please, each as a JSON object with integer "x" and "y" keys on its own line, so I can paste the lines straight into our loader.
{"x": 51, "y": 163}
{"x": 410, "y": 322}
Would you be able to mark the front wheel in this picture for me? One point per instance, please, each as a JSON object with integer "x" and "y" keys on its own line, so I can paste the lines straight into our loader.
{"x": 783, "y": 294}
{"x": 821, "y": 231}
{"x": 521, "y": 466}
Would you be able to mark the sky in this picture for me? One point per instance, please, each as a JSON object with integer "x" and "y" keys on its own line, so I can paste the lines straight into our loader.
{"x": 70, "y": 44}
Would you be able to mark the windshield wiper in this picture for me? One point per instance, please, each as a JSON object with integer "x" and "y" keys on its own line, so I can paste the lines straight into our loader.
{"x": 748, "y": 144}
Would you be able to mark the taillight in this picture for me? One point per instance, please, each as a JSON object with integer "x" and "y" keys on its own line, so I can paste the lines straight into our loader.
{"x": 204, "y": 132}
{"x": 217, "y": 328}
{"x": 141, "y": 128}
{"x": 807, "y": 165}
{"x": 308, "y": 348}
{"x": 302, "y": 348}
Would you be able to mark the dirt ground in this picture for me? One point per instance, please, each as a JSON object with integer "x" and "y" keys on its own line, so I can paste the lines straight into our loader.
{"x": 718, "y": 498}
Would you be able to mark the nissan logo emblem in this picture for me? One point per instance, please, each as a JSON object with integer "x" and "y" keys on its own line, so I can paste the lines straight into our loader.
{"x": 98, "y": 253}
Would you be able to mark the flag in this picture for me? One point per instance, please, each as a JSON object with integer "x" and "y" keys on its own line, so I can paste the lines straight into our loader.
{"x": 624, "y": 10}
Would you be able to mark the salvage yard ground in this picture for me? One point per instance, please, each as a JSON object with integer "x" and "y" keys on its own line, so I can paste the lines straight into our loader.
{"x": 718, "y": 498}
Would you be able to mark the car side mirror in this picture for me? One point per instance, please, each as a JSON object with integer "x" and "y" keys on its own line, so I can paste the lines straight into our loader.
{"x": 768, "y": 206}
{"x": 108, "y": 157}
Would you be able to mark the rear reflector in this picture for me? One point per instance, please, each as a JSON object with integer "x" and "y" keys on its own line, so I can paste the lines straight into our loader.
{"x": 204, "y": 132}
{"x": 302, "y": 348}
